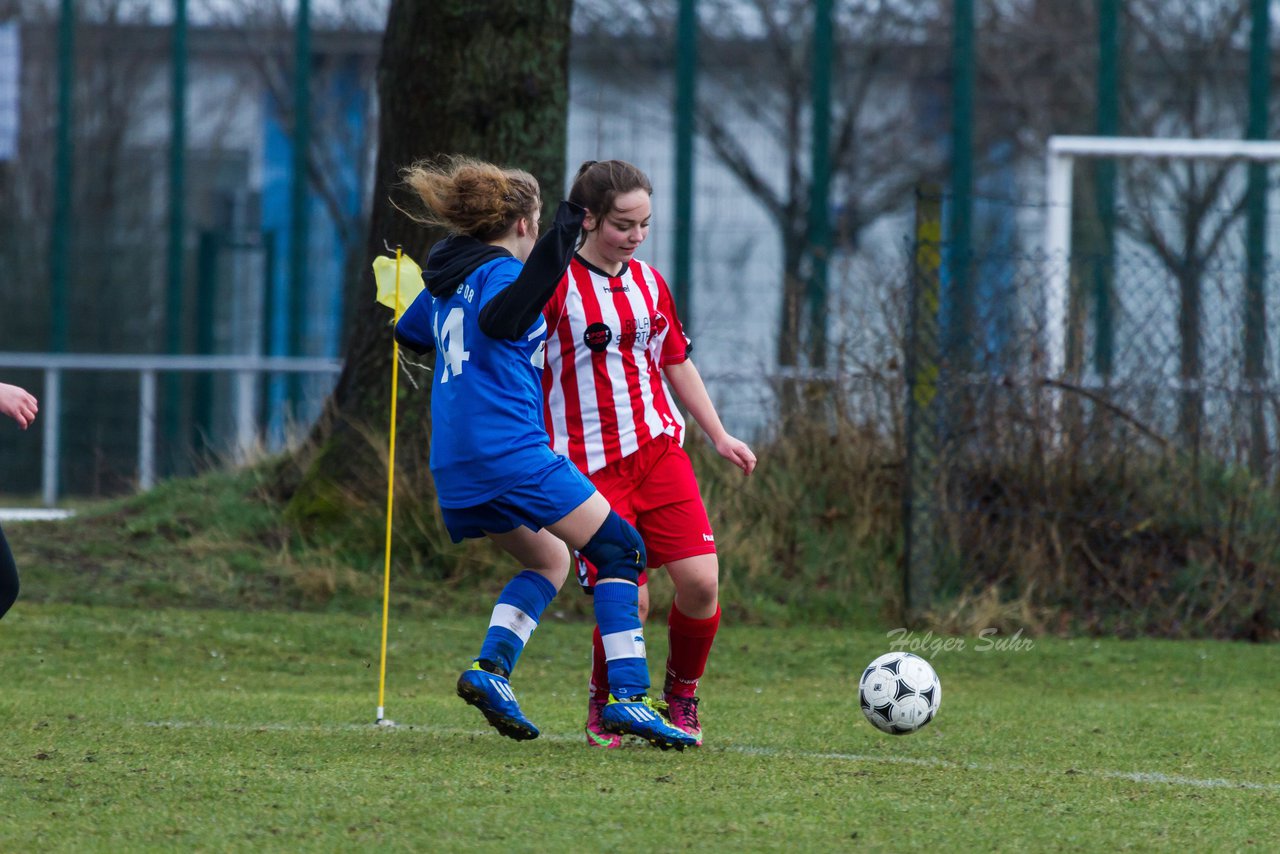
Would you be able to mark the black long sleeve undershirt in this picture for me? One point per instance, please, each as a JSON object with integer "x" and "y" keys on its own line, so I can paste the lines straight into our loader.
{"x": 510, "y": 314}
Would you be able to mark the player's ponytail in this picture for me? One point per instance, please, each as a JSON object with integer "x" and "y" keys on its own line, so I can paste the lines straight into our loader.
{"x": 471, "y": 197}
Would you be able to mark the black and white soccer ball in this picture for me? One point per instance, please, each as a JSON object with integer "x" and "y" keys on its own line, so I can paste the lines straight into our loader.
{"x": 899, "y": 693}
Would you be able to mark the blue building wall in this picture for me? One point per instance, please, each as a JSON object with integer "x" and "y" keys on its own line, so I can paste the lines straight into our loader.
{"x": 319, "y": 328}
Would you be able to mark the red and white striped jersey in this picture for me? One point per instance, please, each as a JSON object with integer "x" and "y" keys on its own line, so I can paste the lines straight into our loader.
{"x": 608, "y": 339}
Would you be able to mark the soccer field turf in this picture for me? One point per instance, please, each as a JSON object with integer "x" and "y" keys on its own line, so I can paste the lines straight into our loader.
{"x": 130, "y": 730}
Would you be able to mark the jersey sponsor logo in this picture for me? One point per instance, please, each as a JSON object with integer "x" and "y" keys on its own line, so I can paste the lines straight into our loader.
{"x": 635, "y": 331}
{"x": 597, "y": 337}
{"x": 615, "y": 286}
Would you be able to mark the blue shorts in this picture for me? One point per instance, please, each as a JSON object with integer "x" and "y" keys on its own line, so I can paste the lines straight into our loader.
{"x": 543, "y": 498}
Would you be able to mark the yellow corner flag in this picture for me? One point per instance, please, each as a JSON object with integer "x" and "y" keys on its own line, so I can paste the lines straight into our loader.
{"x": 399, "y": 283}
{"x": 409, "y": 280}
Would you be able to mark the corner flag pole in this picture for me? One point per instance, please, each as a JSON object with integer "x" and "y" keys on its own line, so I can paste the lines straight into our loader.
{"x": 391, "y": 481}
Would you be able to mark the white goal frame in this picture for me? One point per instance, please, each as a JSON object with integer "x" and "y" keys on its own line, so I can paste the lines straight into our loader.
{"x": 1060, "y": 157}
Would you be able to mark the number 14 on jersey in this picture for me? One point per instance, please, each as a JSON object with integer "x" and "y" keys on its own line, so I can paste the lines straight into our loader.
{"x": 449, "y": 343}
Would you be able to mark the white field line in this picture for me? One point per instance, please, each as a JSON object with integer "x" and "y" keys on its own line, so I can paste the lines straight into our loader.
{"x": 1151, "y": 777}
{"x": 34, "y": 514}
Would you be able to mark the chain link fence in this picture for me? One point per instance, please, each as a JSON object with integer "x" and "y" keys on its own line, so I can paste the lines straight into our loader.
{"x": 1132, "y": 486}
{"x": 1134, "y": 492}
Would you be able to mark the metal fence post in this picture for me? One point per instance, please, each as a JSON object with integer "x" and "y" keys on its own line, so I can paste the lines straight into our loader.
{"x": 819, "y": 224}
{"x": 246, "y": 399}
{"x": 685, "y": 106}
{"x": 52, "y": 436}
{"x": 919, "y": 505}
{"x": 299, "y": 212}
{"x": 1255, "y": 287}
{"x": 1104, "y": 177}
{"x": 960, "y": 310}
{"x": 62, "y": 243}
{"x": 146, "y": 429}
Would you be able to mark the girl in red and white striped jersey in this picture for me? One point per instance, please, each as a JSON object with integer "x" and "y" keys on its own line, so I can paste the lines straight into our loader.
{"x": 615, "y": 353}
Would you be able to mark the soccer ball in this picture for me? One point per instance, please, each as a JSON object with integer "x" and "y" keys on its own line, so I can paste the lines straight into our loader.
{"x": 899, "y": 693}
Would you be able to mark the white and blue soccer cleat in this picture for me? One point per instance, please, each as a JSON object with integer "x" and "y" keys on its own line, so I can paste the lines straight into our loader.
{"x": 492, "y": 695}
{"x": 639, "y": 716}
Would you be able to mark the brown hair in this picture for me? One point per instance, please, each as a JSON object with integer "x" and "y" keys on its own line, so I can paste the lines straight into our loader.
{"x": 599, "y": 182}
{"x": 472, "y": 197}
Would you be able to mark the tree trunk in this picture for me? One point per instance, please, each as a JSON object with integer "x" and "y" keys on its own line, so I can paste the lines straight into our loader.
{"x": 488, "y": 80}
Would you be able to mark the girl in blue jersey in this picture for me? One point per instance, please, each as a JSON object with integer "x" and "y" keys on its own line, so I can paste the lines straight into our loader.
{"x": 495, "y": 476}
{"x": 21, "y": 406}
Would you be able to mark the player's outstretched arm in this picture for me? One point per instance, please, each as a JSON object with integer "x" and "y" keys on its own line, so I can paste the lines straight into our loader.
{"x": 19, "y": 404}
{"x": 688, "y": 386}
{"x": 413, "y": 329}
{"x": 510, "y": 314}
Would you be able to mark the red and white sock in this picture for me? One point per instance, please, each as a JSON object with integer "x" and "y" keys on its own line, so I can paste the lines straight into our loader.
{"x": 690, "y": 646}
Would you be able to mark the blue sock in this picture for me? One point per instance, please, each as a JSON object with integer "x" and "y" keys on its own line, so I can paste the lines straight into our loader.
{"x": 515, "y": 617}
{"x": 617, "y": 610}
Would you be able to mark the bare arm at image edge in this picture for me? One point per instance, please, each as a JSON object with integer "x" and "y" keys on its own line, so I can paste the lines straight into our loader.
{"x": 19, "y": 404}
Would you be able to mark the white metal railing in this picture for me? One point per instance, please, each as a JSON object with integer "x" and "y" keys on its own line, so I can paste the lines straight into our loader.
{"x": 247, "y": 372}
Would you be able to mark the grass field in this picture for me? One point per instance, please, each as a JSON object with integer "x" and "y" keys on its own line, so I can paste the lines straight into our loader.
{"x": 143, "y": 729}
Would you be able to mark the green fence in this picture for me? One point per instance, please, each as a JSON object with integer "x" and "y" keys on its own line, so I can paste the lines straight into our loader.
{"x": 1139, "y": 498}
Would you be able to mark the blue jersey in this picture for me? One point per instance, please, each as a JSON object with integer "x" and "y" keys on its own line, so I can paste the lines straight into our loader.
{"x": 487, "y": 430}
{"x": 489, "y": 336}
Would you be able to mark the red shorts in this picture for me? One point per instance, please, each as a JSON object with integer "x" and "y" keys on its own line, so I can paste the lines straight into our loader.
{"x": 655, "y": 490}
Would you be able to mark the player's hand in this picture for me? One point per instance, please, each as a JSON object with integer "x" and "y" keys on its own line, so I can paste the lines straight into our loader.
{"x": 18, "y": 404}
{"x": 737, "y": 452}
